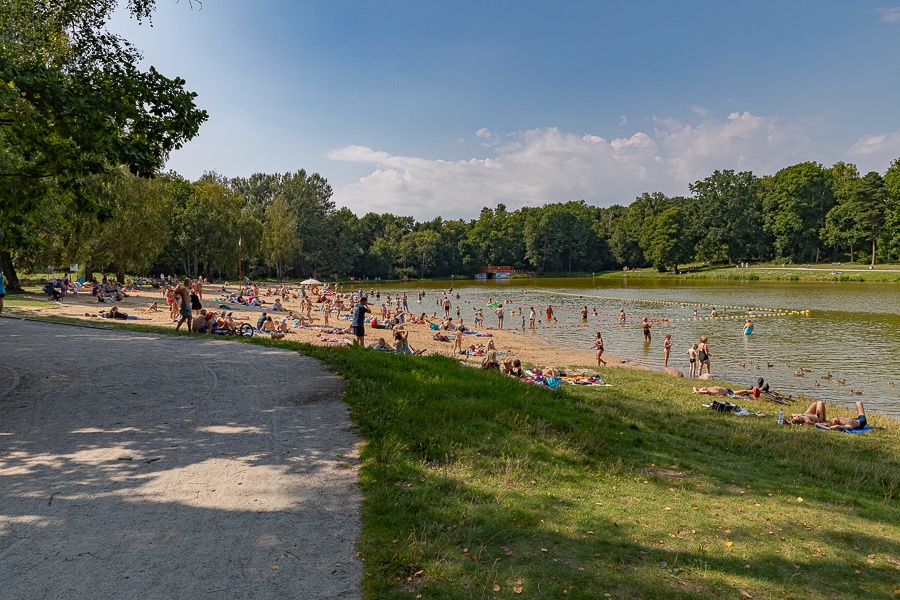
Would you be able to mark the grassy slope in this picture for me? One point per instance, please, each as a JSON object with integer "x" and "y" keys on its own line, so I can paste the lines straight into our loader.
{"x": 475, "y": 483}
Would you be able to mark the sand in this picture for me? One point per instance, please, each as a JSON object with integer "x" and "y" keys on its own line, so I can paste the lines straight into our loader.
{"x": 144, "y": 466}
{"x": 527, "y": 347}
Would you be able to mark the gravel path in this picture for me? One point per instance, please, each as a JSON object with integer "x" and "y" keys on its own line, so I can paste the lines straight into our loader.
{"x": 143, "y": 466}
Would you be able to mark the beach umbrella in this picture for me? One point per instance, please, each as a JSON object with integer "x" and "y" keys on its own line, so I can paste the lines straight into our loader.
{"x": 311, "y": 282}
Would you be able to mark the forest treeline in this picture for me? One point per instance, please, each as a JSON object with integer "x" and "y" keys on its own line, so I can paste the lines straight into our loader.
{"x": 287, "y": 225}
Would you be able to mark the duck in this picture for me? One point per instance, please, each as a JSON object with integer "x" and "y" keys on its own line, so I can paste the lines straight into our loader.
{"x": 815, "y": 383}
{"x": 855, "y": 393}
{"x": 769, "y": 364}
{"x": 827, "y": 375}
{"x": 890, "y": 384}
{"x": 756, "y": 367}
{"x": 840, "y": 381}
{"x": 798, "y": 373}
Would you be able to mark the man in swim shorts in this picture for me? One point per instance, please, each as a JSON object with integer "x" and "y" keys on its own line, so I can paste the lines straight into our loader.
{"x": 842, "y": 423}
{"x": 183, "y": 295}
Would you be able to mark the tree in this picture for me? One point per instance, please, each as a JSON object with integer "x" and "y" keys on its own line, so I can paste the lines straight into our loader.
{"x": 726, "y": 217}
{"x": 74, "y": 103}
{"x": 665, "y": 239}
{"x": 795, "y": 204}
{"x": 280, "y": 243}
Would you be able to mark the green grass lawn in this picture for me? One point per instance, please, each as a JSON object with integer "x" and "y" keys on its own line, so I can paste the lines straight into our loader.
{"x": 478, "y": 486}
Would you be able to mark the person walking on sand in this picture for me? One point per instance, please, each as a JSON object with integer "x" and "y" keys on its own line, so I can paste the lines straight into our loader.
{"x": 667, "y": 348}
{"x": 598, "y": 346}
{"x": 703, "y": 357}
{"x": 692, "y": 359}
{"x": 458, "y": 340}
{"x": 645, "y": 325}
{"x": 183, "y": 298}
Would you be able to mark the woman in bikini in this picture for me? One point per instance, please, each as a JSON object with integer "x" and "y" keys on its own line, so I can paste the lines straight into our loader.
{"x": 598, "y": 346}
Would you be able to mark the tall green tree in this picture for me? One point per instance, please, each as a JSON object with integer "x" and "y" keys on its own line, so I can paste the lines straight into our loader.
{"x": 75, "y": 103}
{"x": 795, "y": 204}
{"x": 665, "y": 239}
{"x": 280, "y": 242}
{"x": 726, "y": 217}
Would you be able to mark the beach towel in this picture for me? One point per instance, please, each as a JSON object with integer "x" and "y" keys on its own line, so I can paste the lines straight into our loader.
{"x": 865, "y": 429}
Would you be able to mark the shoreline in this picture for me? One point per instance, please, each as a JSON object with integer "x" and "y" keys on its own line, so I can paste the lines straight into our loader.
{"x": 531, "y": 350}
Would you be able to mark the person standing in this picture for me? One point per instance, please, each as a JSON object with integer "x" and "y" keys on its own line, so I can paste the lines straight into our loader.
{"x": 598, "y": 346}
{"x": 703, "y": 357}
{"x": 358, "y": 322}
{"x": 692, "y": 359}
{"x": 183, "y": 298}
{"x": 584, "y": 314}
{"x": 3, "y": 283}
{"x": 499, "y": 313}
{"x": 645, "y": 324}
{"x": 446, "y": 307}
{"x": 549, "y": 313}
{"x": 667, "y": 348}
{"x": 531, "y": 319}
{"x": 621, "y": 316}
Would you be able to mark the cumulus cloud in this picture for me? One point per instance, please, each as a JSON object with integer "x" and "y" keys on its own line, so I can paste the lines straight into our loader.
{"x": 883, "y": 146}
{"x": 534, "y": 167}
{"x": 890, "y": 15}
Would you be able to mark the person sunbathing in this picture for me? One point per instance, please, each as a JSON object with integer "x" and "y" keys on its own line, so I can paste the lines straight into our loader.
{"x": 814, "y": 415}
{"x": 713, "y": 390}
{"x": 848, "y": 423}
{"x": 381, "y": 344}
{"x": 490, "y": 361}
{"x": 513, "y": 369}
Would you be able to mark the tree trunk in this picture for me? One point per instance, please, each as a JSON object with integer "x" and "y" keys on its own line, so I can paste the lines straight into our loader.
{"x": 88, "y": 270}
{"x": 10, "y": 271}
{"x": 873, "y": 253}
{"x": 120, "y": 274}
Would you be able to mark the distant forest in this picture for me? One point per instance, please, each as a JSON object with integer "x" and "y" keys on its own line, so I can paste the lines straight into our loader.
{"x": 286, "y": 225}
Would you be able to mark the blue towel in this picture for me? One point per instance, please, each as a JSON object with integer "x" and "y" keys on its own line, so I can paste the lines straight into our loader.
{"x": 865, "y": 429}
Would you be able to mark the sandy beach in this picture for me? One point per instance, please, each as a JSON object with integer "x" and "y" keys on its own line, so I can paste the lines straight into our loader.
{"x": 528, "y": 348}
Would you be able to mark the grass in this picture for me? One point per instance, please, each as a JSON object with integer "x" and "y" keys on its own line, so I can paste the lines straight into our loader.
{"x": 775, "y": 272}
{"x": 477, "y": 486}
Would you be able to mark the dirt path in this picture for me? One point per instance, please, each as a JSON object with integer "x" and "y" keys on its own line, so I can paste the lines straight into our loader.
{"x": 141, "y": 466}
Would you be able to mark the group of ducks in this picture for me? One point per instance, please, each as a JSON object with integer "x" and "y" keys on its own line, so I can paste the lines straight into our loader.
{"x": 801, "y": 372}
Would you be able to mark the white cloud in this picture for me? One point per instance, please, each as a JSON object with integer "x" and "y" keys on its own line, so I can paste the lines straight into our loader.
{"x": 538, "y": 166}
{"x": 876, "y": 148}
{"x": 889, "y": 15}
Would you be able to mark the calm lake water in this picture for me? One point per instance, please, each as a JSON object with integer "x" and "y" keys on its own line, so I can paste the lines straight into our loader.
{"x": 852, "y": 329}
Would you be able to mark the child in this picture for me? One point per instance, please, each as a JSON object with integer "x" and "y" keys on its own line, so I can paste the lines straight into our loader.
{"x": 692, "y": 357}
{"x": 667, "y": 348}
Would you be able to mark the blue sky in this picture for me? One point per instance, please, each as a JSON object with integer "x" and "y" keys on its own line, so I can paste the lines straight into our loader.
{"x": 425, "y": 108}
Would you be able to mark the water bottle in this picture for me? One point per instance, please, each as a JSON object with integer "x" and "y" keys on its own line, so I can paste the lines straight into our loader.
{"x": 781, "y": 417}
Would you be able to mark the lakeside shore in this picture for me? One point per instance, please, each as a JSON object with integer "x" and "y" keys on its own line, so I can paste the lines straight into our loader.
{"x": 529, "y": 349}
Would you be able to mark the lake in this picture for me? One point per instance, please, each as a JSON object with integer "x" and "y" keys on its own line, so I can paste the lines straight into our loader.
{"x": 851, "y": 330}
